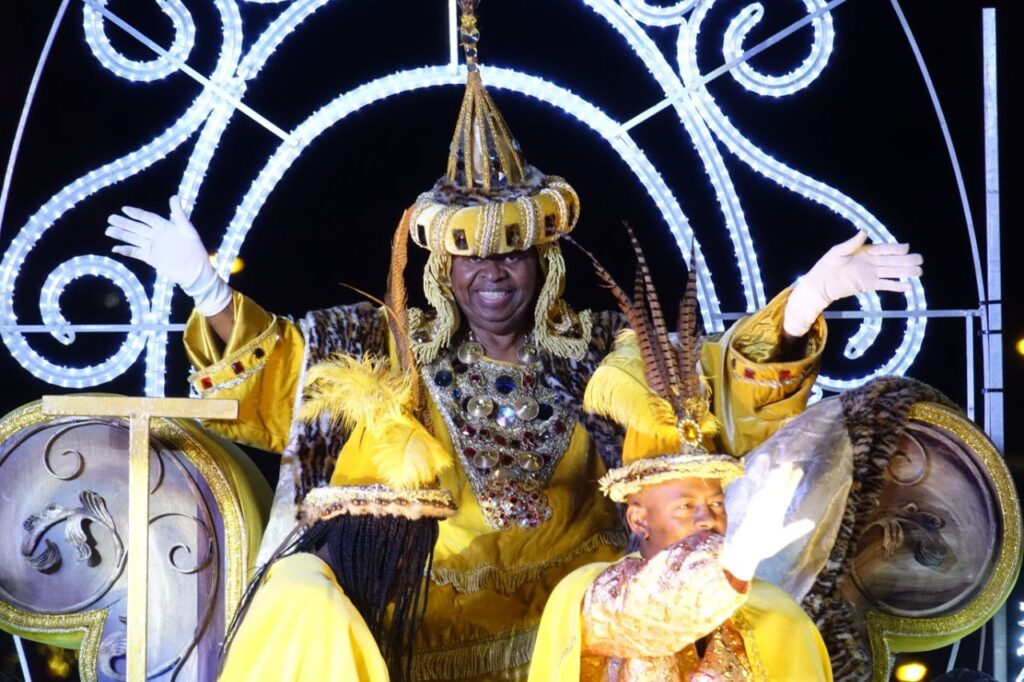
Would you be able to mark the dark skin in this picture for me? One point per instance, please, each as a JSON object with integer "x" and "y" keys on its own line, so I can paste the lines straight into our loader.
{"x": 497, "y": 296}
{"x": 663, "y": 514}
{"x": 502, "y": 320}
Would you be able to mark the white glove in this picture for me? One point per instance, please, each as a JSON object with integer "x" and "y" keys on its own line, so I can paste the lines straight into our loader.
{"x": 849, "y": 268}
{"x": 763, "y": 531}
{"x": 173, "y": 247}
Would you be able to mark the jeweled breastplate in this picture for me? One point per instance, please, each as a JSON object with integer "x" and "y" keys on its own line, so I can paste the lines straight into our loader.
{"x": 510, "y": 430}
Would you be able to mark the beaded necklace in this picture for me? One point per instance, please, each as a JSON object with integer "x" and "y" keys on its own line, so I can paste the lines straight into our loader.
{"x": 509, "y": 428}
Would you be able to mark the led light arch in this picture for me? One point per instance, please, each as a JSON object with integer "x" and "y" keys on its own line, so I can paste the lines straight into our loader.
{"x": 701, "y": 120}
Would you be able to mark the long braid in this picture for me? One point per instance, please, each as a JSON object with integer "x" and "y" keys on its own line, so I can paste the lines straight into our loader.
{"x": 378, "y": 562}
{"x": 381, "y": 562}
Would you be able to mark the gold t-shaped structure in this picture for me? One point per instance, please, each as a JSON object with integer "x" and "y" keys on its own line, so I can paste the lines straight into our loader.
{"x": 138, "y": 411}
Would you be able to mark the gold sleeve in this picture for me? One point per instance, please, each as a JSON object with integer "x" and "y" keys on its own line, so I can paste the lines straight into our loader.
{"x": 753, "y": 394}
{"x": 654, "y": 608}
{"x": 259, "y": 367}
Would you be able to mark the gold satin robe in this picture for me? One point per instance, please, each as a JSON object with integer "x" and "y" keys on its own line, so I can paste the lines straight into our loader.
{"x": 490, "y": 586}
{"x": 638, "y": 620}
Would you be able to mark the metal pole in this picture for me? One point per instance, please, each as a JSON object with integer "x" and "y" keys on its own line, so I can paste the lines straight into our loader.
{"x": 993, "y": 304}
{"x": 969, "y": 352}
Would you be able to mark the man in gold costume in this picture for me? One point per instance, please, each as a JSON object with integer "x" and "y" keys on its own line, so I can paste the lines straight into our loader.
{"x": 685, "y": 607}
{"x": 504, "y": 362}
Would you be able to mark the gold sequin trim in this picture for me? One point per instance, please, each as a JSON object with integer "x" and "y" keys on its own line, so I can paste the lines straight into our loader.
{"x": 377, "y": 500}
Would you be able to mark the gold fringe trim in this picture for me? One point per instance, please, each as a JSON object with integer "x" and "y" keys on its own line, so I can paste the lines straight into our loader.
{"x": 508, "y": 580}
{"x": 620, "y": 483}
{"x": 553, "y": 319}
{"x": 437, "y": 286}
{"x": 503, "y": 652}
{"x": 325, "y": 503}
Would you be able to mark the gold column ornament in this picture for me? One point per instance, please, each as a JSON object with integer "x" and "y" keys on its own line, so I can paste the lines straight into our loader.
{"x": 138, "y": 411}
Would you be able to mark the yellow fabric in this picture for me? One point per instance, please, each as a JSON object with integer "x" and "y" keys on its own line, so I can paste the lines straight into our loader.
{"x": 556, "y": 657}
{"x": 753, "y": 396}
{"x": 491, "y": 585}
{"x": 781, "y": 642}
{"x": 503, "y": 577}
{"x": 266, "y": 394}
{"x": 300, "y": 626}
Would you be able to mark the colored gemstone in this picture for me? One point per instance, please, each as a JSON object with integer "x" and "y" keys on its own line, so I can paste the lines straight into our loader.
{"x": 469, "y": 452}
{"x": 513, "y": 505}
{"x": 544, "y": 412}
{"x": 505, "y": 384}
{"x": 528, "y": 380}
{"x": 529, "y": 437}
{"x": 475, "y": 378}
{"x": 500, "y": 440}
{"x": 485, "y": 434}
{"x": 515, "y": 444}
{"x": 549, "y": 225}
{"x": 259, "y": 353}
{"x": 443, "y": 378}
{"x": 506, "y": 460}
{"x": 506, "y": 417}
{"x": 558, "y": 426}
{"x": 784, "y": 374}
{"x": 457, "y": 393}
{"x": 206, "y": 382}
{"x": 459, "y": 366}
{"x": 748, "y": 373}
{"x": 237, "y": 367}
{"x": 512, "y": 236}
{"x": 468, "y": 430}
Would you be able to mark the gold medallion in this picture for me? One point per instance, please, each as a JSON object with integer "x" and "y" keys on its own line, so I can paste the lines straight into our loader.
{"x": 526, "y": 408}
{"x": 470, "y": 352}
{"x": 480, "y": 406}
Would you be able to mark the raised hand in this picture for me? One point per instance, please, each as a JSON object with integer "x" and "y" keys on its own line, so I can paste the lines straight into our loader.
{"x": 763, "y": 530}
{"x": 173, "y": 247}
{"x": 846, "y": 269}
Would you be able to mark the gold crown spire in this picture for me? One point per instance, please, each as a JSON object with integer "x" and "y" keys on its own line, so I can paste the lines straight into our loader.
{"x": 483, "y": 153}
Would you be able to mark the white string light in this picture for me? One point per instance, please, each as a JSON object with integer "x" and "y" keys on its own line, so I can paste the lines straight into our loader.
{"x": 811, "y": 189}
{"x": 161, "y": 65}
{"x": 705, "y": 125}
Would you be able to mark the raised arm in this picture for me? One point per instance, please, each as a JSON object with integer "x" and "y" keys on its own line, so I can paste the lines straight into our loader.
{"x": 173, "y": 247}
{"x": 655, "y": 608}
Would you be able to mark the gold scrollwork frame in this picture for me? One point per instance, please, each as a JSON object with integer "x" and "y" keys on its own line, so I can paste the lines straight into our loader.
{"x": 83, "y": 630}
{"x": 889, "y": 634}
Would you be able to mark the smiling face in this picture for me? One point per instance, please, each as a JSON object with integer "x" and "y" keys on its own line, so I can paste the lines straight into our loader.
{"x": 665, "y": 513}
{"x": 497, "y": 294}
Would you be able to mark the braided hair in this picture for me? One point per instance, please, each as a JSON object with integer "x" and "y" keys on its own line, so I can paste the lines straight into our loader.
{"x": 381, "y": 563}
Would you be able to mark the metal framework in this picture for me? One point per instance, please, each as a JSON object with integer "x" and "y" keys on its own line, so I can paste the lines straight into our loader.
{"x": 685, "y": 92}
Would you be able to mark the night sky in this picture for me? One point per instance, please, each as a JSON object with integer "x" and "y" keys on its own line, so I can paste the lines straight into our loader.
{"x": 866, "y": 127}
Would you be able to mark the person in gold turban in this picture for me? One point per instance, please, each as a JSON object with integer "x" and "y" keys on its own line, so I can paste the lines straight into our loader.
{"x": 503, "y": 361}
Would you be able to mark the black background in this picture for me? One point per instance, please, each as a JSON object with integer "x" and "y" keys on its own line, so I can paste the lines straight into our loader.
{"x": 865, "y": 127}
